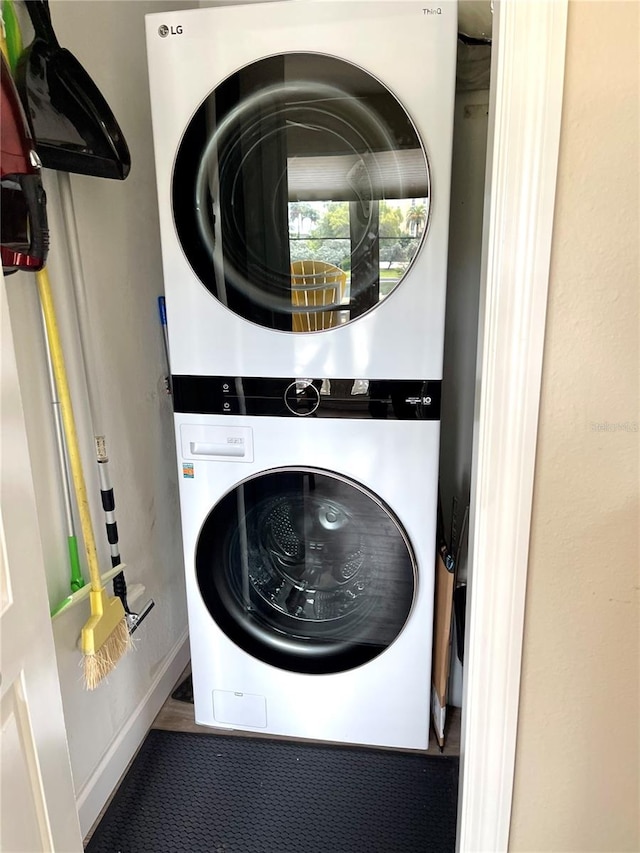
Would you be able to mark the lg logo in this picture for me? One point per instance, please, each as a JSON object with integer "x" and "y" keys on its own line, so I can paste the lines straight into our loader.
{"x": 164, "y": 31}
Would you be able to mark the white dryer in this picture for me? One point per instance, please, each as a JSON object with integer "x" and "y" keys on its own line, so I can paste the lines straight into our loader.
{"x": 303, "y": 154}
{"x": 310, "y": 586}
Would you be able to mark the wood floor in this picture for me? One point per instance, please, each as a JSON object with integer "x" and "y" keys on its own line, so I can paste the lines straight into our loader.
{"x": 177, "y": 716}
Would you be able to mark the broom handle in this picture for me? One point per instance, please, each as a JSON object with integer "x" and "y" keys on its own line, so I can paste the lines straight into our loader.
{"x": 79, "y": 292}
{"x": 76, "y": 581}
{"x": 95, "y": 410}
{"x": 66, "y": 409}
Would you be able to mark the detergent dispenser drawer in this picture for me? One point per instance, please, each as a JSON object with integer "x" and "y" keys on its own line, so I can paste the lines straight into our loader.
{"x": 224, "y": 443}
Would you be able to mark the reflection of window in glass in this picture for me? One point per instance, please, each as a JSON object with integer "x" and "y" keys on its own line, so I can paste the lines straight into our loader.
{"x": 321, "y": 231}
{"x": 299, "y": 159}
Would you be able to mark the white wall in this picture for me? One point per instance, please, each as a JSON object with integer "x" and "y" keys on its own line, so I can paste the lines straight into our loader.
{"x": 577, "y": 781}
{"x": 118, "y": 229}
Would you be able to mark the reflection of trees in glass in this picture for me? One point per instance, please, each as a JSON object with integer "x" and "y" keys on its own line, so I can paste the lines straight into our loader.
{"x": 390, "y": 220}
{"x": 329, "y": 239}
{"x": 412, "y": 248}
{"x": 333, "y": 251}
{"x": 334, "y": 222}
{"x": 416, "y": 219}
{"x": 299, "y": 211}
{"x": 394, "y": 251}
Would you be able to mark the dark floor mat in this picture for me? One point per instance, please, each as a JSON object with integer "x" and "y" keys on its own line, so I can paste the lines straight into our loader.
{"x": 191, "y": 793}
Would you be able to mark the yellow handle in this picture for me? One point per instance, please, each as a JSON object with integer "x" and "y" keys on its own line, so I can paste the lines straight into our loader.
{"x": 3, "y": 44}
{"x": 71, "y": 436}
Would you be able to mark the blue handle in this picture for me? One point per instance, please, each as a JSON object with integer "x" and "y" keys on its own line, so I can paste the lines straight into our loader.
{"x": 162, "y": 308}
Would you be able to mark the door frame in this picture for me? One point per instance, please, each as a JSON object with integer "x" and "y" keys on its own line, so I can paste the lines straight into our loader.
{"x": 34, "y": 744}
{"x": 527, "y": 76}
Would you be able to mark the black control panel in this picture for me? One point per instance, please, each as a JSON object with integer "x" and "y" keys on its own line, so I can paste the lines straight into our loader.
{"x": 383, "y": 399}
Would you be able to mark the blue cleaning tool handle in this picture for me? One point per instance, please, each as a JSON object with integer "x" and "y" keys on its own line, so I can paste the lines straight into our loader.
{"x": 162, "y": 309}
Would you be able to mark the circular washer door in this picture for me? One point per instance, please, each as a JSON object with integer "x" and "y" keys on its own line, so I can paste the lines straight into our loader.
{"x": 301, "y": 192}
{"x": 306, "y": 571}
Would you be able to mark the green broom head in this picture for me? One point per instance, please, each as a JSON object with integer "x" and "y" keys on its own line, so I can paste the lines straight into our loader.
{"x": 105, "y": 637}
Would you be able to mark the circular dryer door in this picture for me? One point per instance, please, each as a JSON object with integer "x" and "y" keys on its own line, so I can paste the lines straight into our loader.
{"x": 306, "y": 571}
{"x": 301, "y": 192}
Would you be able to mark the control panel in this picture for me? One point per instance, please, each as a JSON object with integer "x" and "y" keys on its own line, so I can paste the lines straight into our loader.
{"x": 384, "y": 399}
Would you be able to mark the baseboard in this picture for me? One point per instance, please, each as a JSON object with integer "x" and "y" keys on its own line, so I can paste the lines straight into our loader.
{"x": 103, "y": 781}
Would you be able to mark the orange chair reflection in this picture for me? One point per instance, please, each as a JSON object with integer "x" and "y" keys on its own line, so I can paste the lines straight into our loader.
{"x": 314, "y": 285}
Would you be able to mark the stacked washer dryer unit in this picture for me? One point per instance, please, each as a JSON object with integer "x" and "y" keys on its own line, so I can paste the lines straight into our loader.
{"x": 291, "y": 138}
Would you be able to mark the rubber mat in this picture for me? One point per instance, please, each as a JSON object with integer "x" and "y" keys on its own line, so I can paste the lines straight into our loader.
{"x": 191, "y": 793}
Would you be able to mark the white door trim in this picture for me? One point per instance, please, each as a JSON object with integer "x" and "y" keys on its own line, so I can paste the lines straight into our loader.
{"x": 527, "y": 75}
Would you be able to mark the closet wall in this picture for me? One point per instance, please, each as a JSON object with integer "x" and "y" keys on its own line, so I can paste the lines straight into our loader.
{"x": 120, "y": 246}
{"x": 577, "y": 783}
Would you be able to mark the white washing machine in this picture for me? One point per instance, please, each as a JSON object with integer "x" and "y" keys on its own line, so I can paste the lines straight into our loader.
{"x": 303, "y": 154}
{"x": 310, "y": 586}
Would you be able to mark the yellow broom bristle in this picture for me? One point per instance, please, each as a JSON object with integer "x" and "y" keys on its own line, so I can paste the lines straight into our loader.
{"x": 98, "y": 665}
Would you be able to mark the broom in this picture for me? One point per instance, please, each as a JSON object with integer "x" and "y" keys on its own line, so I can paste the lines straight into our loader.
{"x": 134, "y": 620}
{"x": 105, "y": 637}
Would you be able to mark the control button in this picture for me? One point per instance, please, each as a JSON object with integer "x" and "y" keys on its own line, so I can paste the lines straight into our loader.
{"x": 302, "y": 397}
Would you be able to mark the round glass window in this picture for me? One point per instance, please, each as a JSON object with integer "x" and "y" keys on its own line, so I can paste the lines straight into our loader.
{"x": 301, "y": 192}
{"x": 306, "y": 571}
